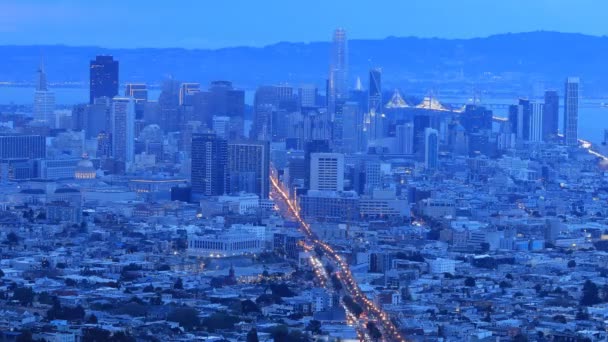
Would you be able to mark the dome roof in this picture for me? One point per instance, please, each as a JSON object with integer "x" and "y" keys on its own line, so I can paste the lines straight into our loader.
{"x": 85, "y": 170}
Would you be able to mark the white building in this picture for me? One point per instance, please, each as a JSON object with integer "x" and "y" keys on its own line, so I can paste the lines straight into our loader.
{"x": 440, "y": 266}
{"x": 237, "y": 240}
{"x": 327, "y": 171}
{"x": 242, "y": 203}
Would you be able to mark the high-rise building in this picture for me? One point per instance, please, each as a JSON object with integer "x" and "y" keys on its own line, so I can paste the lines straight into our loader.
{"x": 377, "y": 125}
{"x": 519, "y": 119}
{"x": 221, "y": 126}
{"x": 338, "y": 70}
{"x": 405, "y": 138}
{"x": 138, "y": 91}
{"x": 314, "y": 146}
{"x": 209, "y": 161}
{"x": 186, "y": 93}
{"x": 248, "y": 167}
{"x": 103, "y": 80}
{"x": 123, "y": 129}
{"x": 17, "y": 146}
{"x": 571, "y": 111}
{"x": 327, "y": 171}
{"x": 550, "y": 115}
{"x": 431, "y": 148}
{"x": 308, "y": 95}
{"x": 221, "y": 99}
{"x": 44, "y": 100}
{"x": 269, "y": 101}
{"x": 536, "y": 122}
{"x": 352, "y": 128}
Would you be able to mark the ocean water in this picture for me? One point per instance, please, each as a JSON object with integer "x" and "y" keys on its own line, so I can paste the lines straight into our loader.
{"x": 593, "y": 115}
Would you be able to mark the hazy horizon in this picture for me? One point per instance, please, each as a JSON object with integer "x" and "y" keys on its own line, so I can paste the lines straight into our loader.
{"x": 196, "y": 24}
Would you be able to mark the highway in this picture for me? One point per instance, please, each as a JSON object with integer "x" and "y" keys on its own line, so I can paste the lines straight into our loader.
{"x": 388, "y": 329}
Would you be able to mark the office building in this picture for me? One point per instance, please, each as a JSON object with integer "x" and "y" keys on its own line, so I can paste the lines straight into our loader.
{"x": 536, "y": 122}
{"x": 337, "y": 89}
{"x": 550, "y": 115}
{"x": 248, "y": 167}
{"x": 208, "y": 170}
{"x": 44, "y": 100}
{"x": 327, "y": 171}
{"x": 138, "y": 91}
{"x": 103, "y": 78}
{"x": 405, "y": 138}
{"x": 221, "y": 126}
{"x": 377, "y": 125}
{"x": 123, "y": 129}
{"x": 431, "y": 148}
{"x": 308, "y": 95}
{"x": 17, "y": 146}
{"x": 186, "y": 93}
{"x": 571, "y": 111}
{"x": 221, "y": 99}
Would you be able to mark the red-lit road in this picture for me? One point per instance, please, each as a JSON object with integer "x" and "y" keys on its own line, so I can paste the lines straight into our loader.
{"x": 389, "y": 330}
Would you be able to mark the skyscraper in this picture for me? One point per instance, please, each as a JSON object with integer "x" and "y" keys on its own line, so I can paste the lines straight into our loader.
{"x": 44, "y": 100}
{"x": 123, "y": 129}
{"x": 571, "y": 111}
{"x": 138, "y": 91}
{"x": 405, "y": 138}
{"x": 308, "y": 95}
{"x": 248, "y": 167}
{"x": 375, "y": 110}
{"x": 550, "y": 115}
{"x": 338, "y": 70}
{"x": 209, "y": 159}
{"x": 186, "y": 93}
{"x": 536, "y": 122}
{"x": 431, "y": 148}
{"x": 103, "y": 79}
{"x": 327, "y": 171}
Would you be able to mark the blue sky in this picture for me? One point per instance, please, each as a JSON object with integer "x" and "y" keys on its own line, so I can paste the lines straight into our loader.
{"x": 221, "y": 23}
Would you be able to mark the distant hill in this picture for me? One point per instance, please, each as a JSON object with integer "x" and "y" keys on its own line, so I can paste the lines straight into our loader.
{"x": 516, "y": 63}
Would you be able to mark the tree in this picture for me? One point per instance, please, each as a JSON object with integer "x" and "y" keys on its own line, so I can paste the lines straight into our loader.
{"x": 186, "y": 317}
{"x": 252, "y": 335}
{"x": 470, "y": 282}
{"x": 179, "y": 284}
{"x": 248, "y": 306}
{"x": 1, "y": 274}
{"x": 219, "y": 321}
{"x": 25, "y": 336}
{"x": 314, "y": 327}
{"x": 590, "y": 294}
{"x": 280, "y": 333}
{"x": 92, "y": 319}
{"x": 582, "y": 314}
{"x": 560, "y": 319}
{"x": 374, "y": 332}
{"x": 24, "y": 295}
{"x": 520, "y": 338}
{"x": 571, "y": 264}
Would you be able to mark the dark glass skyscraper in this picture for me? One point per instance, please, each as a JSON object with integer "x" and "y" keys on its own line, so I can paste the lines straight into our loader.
{"x": 209, "y": 161}
{"x": 103, "y": 80}
{"x": 248, "y": 167}
{"x": 550, "y": 115}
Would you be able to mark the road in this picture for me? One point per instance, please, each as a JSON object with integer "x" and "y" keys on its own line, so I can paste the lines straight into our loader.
{"x": 388, "y": 329}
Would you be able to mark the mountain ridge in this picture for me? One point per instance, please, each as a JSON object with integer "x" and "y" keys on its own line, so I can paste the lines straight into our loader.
{"x": 514, "y": 61}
